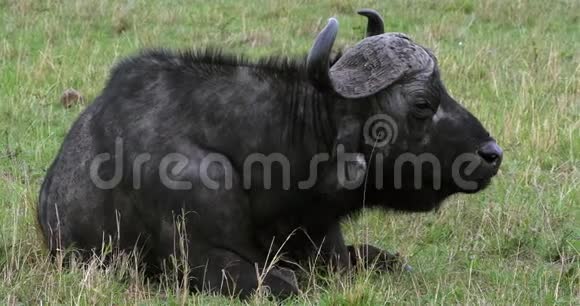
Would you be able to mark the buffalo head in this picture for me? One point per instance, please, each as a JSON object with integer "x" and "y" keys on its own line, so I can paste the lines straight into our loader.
{"x": 427, "y": 146}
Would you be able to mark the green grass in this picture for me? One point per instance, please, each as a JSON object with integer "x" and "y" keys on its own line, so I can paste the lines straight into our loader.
{"x": 514, "y": 64}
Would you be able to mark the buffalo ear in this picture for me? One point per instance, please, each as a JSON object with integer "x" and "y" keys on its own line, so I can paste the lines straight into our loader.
{"x": 375, "y": 25}
{"x": 377, "y": 62}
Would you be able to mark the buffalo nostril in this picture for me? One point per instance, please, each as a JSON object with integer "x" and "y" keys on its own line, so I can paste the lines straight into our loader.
{"x": 490, "y": 152}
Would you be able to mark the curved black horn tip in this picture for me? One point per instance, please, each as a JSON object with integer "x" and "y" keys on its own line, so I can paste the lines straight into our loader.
{"x": 375, "y": 25}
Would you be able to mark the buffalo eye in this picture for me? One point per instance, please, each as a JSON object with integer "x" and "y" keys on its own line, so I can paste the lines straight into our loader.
{"x": 422, "y": 109}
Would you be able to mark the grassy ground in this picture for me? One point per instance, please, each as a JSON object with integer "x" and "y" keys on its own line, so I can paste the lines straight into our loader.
{"x": 514, "y": 64}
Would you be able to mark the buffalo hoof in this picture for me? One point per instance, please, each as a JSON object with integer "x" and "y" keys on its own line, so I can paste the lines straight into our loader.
{"x": 370, "y": 257}
{"x": 281, "y": 283}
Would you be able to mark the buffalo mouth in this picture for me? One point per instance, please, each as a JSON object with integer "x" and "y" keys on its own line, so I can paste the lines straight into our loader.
{"x": 481, "y": 178}
{"x": 478, "y": 168}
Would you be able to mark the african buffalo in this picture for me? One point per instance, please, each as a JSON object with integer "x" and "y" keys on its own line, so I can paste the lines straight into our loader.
{"x": 260, "y": 157}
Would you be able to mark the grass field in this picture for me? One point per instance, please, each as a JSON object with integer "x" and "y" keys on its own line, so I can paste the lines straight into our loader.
{"x": 514, "y": 64}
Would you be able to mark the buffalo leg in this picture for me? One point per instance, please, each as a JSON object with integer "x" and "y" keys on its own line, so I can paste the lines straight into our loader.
{"x": 229, "y": 274}
{"x": 213, "y": 224}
